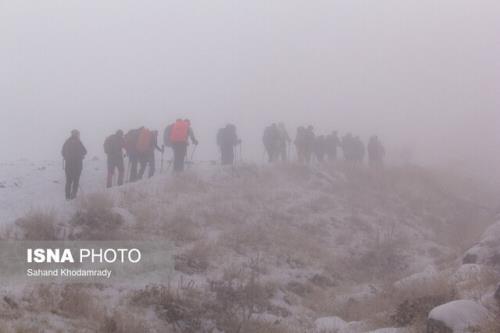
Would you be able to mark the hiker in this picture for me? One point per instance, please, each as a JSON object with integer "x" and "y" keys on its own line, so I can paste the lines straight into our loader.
{"x": 131, "y": 141}
{"x": 284, "y": 142}
{"x": 179, "y": 134}
{"x": 332, "y": 143}
{"x": 271, "y": 140}
{"x": 348, "y": 148}
{"x": 310, "y": 139}
{"x": 376, "y": 152}
{"x": 113, "y": 147}
{"x": 73, "y": 152}
{"x": 148, "y": 143}
{"x": 227, "y": 140}
{"x": 359, "y": 150}
{"x": 300, "y": 144}
{"x": 320, "y": 148}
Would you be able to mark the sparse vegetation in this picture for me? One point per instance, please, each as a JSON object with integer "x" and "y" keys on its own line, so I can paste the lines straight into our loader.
{"x": 268, "y": 258}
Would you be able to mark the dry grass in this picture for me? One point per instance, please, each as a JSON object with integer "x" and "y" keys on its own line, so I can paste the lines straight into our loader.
{"x": 95, "y": 219}
{"x": 40, "y": 225}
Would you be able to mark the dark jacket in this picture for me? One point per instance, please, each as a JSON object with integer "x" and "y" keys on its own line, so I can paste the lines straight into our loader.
{"x": 73, "y": 150}
{"x": 114, "y": 145}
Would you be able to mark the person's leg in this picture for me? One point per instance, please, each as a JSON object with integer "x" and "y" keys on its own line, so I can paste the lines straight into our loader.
{"x": 76, "y": 181}
{"x": 177, "y": 157}
{"x": 111, "y": 167}
{"x": 67, "y": 171}
{"x": 183, "y": 153}
{"x": 230, "y": 155}
{"x": 152, "y": 165}
{"x": 133, "y": 168}
{"x": 121, "y": 171}
{"x": 143, "y": 163}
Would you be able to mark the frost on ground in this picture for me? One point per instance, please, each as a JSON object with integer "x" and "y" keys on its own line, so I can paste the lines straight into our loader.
{"x": 284, "y": 248}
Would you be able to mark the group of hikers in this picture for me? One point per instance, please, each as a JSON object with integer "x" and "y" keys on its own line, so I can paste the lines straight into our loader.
{"x": 309, "y": 146}
{"x": 141, "y": 144}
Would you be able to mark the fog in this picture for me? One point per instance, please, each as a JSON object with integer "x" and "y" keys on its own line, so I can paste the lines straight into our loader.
{"x": 423, "y": 75}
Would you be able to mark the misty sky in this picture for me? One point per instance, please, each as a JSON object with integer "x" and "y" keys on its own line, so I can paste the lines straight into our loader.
{"x": 421, "y": 73}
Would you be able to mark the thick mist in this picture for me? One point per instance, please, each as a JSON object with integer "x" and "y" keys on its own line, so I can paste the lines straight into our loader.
{"x": 423, "y": 75}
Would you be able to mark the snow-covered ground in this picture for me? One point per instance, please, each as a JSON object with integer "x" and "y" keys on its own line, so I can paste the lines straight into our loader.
{"x": 283, "y": 248}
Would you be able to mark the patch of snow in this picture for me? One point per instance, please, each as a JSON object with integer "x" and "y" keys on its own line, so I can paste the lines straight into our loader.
{"x": 329, "y": 324}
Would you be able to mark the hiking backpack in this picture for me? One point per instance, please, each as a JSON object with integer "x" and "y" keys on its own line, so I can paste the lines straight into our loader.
{"x": 144, "y": 140}
{"x": 179, "y": 132}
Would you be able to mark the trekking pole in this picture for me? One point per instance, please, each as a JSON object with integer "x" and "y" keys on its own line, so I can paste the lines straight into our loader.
{"x": 161, "y": 164}
{"x": 192, "y": 153}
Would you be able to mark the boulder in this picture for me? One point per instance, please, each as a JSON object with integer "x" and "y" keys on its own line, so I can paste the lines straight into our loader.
{"x": 456, "y": 317}
{"x": 487, "y": 251}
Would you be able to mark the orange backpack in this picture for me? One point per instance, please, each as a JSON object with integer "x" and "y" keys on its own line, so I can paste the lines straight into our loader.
{"x": 179, "y": 132}
{"x": 144, "y": 141}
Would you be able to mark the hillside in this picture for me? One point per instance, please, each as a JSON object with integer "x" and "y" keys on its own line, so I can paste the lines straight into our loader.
{"x": 284, "y": 248}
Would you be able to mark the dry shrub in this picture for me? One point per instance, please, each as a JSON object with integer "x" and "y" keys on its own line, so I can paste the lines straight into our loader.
{"x": 322, "y": 302}
{"x": 78, "y": 302}
{"x": 126, "y": 322}
{"x": 182, "y": 229}
{"x": 182, "y": 308}
{"x": 98, "y": 202}
{"x": 477, "y": 285}
{"x": 384, "y": 259}
{"x": 414, "y": 303}
{"x": 40, "y": 225}
{"x": 492, "y": 325}
{"x": 195, "y": 260}
{"x": 28, "y": 328}
{"x": 95, "y": 219}
{"x": 68, "y": 300}
{"x": 238, "y": 297}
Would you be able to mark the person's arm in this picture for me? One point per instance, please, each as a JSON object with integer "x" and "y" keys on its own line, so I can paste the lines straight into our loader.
{"x": 83, "y": 149}
{"x": 191, "y": 135}
{"x": 64, "y": 149}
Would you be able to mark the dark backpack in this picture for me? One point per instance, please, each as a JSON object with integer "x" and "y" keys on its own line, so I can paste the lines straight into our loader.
{"x": 131, "y": 139}
{"x": 166, "y": 136}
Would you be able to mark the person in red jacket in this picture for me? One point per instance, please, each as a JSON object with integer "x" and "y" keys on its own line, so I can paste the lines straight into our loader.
{"x": 179, "y": 134}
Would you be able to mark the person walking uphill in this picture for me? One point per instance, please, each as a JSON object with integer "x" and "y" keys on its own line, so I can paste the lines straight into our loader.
{"x": 147, "y": 147}
{"x": 179, "y": 135}
{"x": 73, "y": 152}
{"x": 227, "y": 140}
{"x": 113, "y": 147}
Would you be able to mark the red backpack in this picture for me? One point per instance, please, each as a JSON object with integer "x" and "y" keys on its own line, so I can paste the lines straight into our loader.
{"x": 179, "y": 132}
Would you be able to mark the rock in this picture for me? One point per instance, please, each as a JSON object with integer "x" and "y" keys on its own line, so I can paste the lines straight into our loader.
{"x": 329, "y": 324}
{"x": 487, "y": 251}
{"x": 497, "y": 293}
{"x": 456, "y": 317}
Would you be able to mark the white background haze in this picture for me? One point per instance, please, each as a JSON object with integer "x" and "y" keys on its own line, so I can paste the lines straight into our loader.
{"x": 422, "y": 74}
